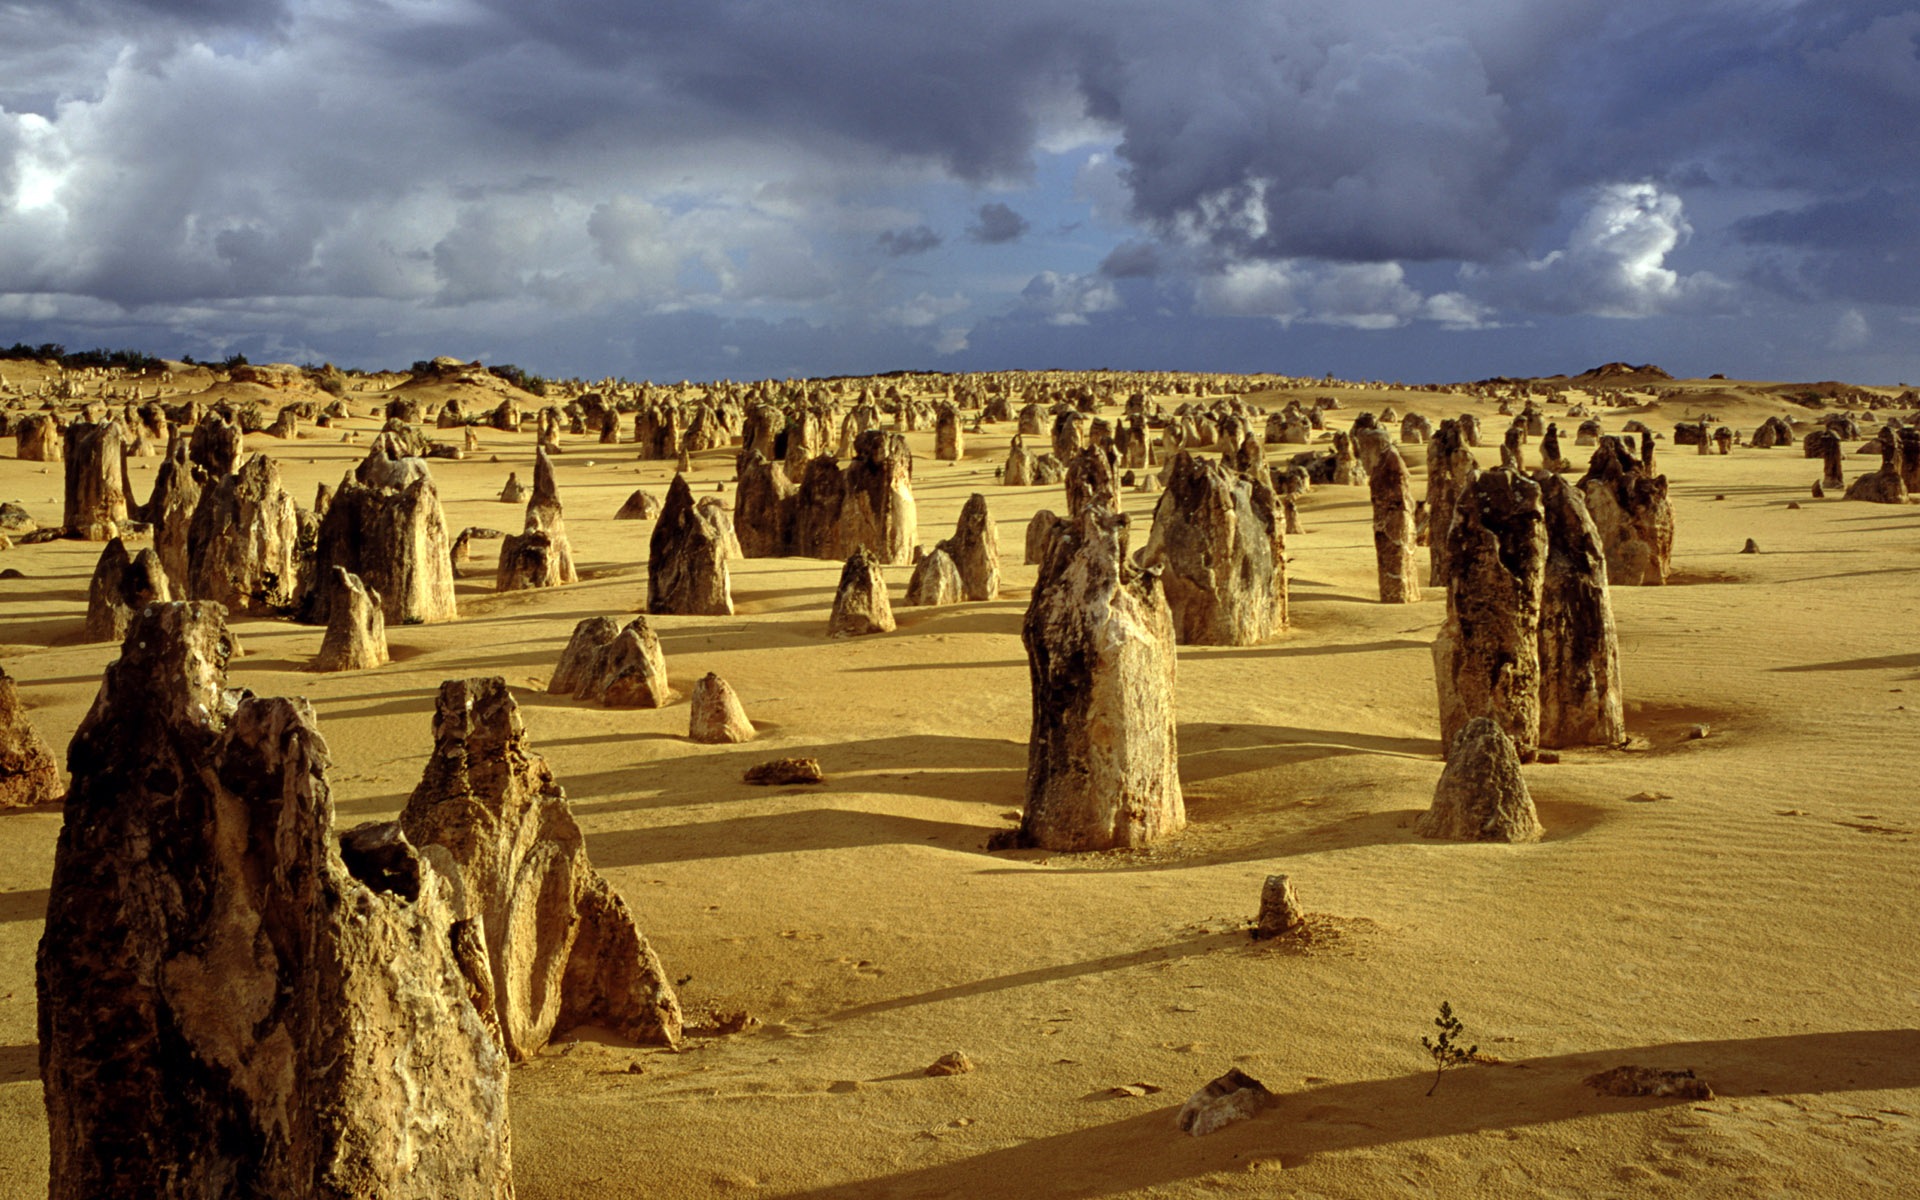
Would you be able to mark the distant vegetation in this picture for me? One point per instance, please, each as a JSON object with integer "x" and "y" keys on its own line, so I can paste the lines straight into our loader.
{"x": 132, "y": 360}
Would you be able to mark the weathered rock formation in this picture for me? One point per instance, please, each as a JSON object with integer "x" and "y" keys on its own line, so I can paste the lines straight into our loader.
{"x": 37, "y": 438}
{"x": 557, "y": 946}
{"x": 716, "y": 716}
{"x": 356, "y": 637}
{"x": 29, "y": 773}
{"x": 1040, "y": 533}
{"x": 1629, "y": 507}
{"x": 1217, "y": 540}
{"x": 215, "y": 446}
{"x": 860, "y": 602}
{"x": 949, "y": 443}
{"x": 1103, "y": 754}
{"x": 1395, "y": 538}
{"x": 169, "y": 510}
{"x": 975, "y": 550}
{"x": 1486, "y": 659}
{"x": 878, "y": 510}
{"x": 1888, "y": 485}
{"x": 229, "y": 1004}
{"x": 1451, "y": 469}
{"x": 385, "y": 525}
{"x": 1580, "y": 698}
{"x": 935, "y": 580}
{"x": 1093, "y": 477}
{"x": 765, "y": 507}
{"x": 512, "y": 492}
{"x": 687, "y": 558}
{"x": 1481, "y": 796}
{"x": 642, "y": 505}
{"x": 122, "y": 585}
{"x": 620, "y": 668}
{"x": 244, "y": 541}
{"x": 96, "y": 480}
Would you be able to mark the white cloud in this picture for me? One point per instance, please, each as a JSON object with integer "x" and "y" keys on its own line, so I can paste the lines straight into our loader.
{"x": 1352, "y": 295}
{"x": 1068, "y": 299}
{"x": 1614, "y": 263}
{"x": 1850, "y": 331}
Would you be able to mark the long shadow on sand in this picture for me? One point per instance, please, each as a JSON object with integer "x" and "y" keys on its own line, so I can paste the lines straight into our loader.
{"x": 30, "y": 905}
{"x": 774, "y": 833}
{"x": 1144, "y": 1151}
{"x": 1884, "y": 662}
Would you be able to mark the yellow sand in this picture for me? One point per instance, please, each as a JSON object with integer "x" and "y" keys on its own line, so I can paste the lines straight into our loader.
{"x": 1756, "y": 922}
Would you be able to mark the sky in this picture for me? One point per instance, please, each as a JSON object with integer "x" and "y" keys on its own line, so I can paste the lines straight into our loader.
{"x": 1419, "y": 190}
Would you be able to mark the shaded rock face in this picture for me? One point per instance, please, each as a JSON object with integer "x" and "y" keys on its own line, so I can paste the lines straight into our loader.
{"x": 1550, "y": 456}
{"x": 1581, "y": 703}
{"x": 1450, "y": 470}
{"x": 169, "y": 510}
{"x": 215, "y": 446}
{"x": 935, "y": 580}
{"x": 356, "y": 638}
{"x": 860, "y": 602}
{"x": 1481, "y": 796}
{"x": 96, "y": 480}
{"x": 1888, "y": 485}
{"x": 949, "y": 443}
{"x": 245, "y": 1014}
{"x": 38, "y": 438}
{"x": 1630, "y": 509}
{"x": 385, "y": 525}
{"x": 1093, "y": 477}
{"x": 620, "y": 668}
{"x": 765, "y": 506}
{"x": 1019, "y": 469}
{"x": 511, "y": 492}
{"x": 541, "y": 554}
{"x": 556, "y": 947}
{"x": 715, "y": 716}
{"x": 1103, "y": 752}
{"x": 687, "y": 558}
{"x": 1218, "y": 544}
{"x": 975, "y": 550}
{"x": 878, "y": 511}
{"x": 122, "y": 585}
{"x": 642, "y": 505}
{"x": 1486, "y": 659}
{"x": 244, "y": 541}
{"x": 1346, "y": 467}
{"x": 29, "y": 773}
{"x": 1826, "y": 445}
{"x": 1395, "y": 534}
{"x": 1040, "y": 534}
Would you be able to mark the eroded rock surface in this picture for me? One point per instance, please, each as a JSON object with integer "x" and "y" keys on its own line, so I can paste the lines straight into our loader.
{"x": 620, "y": 668}
{"x": 1486, "y": 659}
{"x": 122, "y": 585}
{"x": 385, "y": 525}
{"x": 245, "y": 1014}
{"x": 1103, "y": 753}
{"x": 1217, "y": 540}
{"x": 1481, "y": 796}
{"x": 687, "y": 569}
{"x": 1630, "y": 510}
{"x": 560, "y": 948}
{"x": 356, "y": 637}
{"x": 860, "y": 602}
{"x": 29, "y": 773}
{"x": 715, "y": 716}
{"x": 1581, "y": 702}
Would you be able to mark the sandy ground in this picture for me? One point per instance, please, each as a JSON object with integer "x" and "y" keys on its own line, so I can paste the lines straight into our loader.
{"x": 1756, "y": 920}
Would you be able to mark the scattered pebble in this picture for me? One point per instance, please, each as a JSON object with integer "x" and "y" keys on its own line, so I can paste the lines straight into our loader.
{"x": 1696, "y": 732}
{"x": 955, "y": 1063}
{"x": 785, "y": 770}
{"x": 1648, "y": 797}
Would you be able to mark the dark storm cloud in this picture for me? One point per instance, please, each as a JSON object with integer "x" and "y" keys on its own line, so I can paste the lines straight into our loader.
{"x": 995, "y": 224}
{"x": 587, "y": 153}
{"x": 915, "y": 239}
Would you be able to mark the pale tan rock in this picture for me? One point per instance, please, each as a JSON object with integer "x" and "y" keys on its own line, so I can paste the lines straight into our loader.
{"x": 1481, "y": 796}
{"x": 1103, "y": 752}
{"x": 1280, "y": 911}
{"x": 252, "y": 1012}
{"x": 1629, "y": 507}
{"x": 512, "y": 492}
{"x": 1486, "y": 658}
{"x": 561, "y": 948}
{"x": 878, "y": 511}
{"x": 1395, "y": 534}
{"x": 935, "y": 580}
{"x": 949, "y": 443}
{"x": 642, "y": 505}
{"x": 96, "y": 481}
{"x": 975, "y": 550}
{"x": 1451, "y": 469}
{"x": 216, "y": 446}
{"x": 385, "y": 525}
{"x": 1235, "y": 1096}
{"x": 716, "y": 716}
{"x": 1217, "y": 540}
{"x": 356, "y": 637}
{"x": 860, "y": 604}
{"x": 620, "y": 668}
{"x": 244, "y": 541}
{"x": 38, "y": 438}
{"x": 169, "y": 511}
